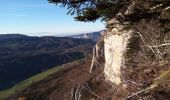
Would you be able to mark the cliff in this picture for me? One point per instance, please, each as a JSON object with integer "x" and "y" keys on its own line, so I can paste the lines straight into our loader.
{"x": 134, "y": 53}
{"x": 113, "y": 48}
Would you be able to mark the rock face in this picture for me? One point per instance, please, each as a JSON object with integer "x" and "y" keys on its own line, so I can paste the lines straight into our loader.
{"x": 114, "y": 48}
{"x": 130, "y": 47}
{"x": 114, "y": 45}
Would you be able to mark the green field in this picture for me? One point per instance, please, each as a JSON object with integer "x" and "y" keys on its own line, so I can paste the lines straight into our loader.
{"x": 21, "y": 85}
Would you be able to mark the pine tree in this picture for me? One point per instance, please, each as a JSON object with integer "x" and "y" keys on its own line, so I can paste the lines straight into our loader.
{"x": 91, "y": 10}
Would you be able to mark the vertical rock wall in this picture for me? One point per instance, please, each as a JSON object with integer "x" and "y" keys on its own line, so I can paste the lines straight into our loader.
{"x": 138, "y": 38}
{"x": 113, "y": 48}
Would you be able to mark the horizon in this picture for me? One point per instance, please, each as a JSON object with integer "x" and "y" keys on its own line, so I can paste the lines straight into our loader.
{"x": 55, "y": 35}
{"x": 40, "y": 18}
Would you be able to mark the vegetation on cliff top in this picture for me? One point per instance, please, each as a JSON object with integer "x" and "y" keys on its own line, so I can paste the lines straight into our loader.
{"x": 91, "y": 10}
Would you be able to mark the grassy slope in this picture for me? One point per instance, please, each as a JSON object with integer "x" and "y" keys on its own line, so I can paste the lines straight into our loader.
{"x": 21, "y": 85}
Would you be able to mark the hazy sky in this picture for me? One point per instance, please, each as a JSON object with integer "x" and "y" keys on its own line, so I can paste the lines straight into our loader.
{"x": 38, "y": 17}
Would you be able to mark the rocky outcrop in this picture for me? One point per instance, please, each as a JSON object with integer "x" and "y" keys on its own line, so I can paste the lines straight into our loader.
{"x": 132, "y": 46}
{"x": 114, "y": 46}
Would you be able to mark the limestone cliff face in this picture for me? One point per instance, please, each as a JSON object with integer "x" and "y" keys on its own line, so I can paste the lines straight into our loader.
{"x": 115, "y": 40}
{"x": 139, "y": 41}
{"x": 115, "y": 43}
{"x": 114, "y": 46}
{"x": 132, "y": 53}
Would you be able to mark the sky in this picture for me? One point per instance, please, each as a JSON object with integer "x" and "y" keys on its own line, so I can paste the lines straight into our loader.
{"x": 40, "y": 18}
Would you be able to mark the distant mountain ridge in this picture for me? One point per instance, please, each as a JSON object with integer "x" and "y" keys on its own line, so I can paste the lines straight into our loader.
{"x": 94, "y": 36}
{"x": 22, "y": 56}
{"x": 10, "y": 36}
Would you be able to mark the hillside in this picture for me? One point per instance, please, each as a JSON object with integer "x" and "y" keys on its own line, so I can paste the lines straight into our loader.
{"x": 73, "y": 80}
{"x": 42, "y": 76}
{"x": 57, "y": 85}
{"x": 23, "y": 56}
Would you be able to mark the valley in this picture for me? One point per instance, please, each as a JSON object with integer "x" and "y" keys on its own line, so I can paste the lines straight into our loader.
{"x": 22, "y": 56}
